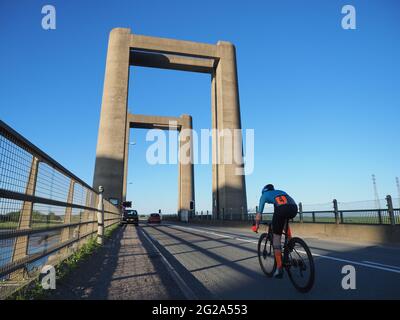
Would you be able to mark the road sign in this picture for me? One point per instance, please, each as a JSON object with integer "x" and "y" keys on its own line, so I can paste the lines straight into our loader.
{"x": 127, "y": 204}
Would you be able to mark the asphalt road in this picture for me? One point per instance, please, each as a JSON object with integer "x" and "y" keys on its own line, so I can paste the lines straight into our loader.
{"x": 222, "y": 263}
{"x": 184, "y": 261}
{"x": 126, "y": 267}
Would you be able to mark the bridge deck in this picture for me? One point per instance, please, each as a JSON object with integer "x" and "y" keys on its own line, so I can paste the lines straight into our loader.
{"x": 221, "y": 263}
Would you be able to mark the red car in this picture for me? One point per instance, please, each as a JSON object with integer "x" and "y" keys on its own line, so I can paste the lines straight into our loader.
{"x": 154, "y": 218}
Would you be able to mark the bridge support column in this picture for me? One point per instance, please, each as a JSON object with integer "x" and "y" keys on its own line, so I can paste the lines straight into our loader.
{"x": 229, "y": 187}
{"x": 185, "y": 165}
{"x": 125, "y": 49}
{"x": 111, "y": 144}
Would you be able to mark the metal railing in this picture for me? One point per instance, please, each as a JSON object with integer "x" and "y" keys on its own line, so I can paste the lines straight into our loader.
{"x": 376, "y": 216}
{"x": 46, "y": 212}
{"x": 388, "y": 216}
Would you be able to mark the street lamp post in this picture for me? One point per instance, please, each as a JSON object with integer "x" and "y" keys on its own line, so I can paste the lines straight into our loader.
{"x": 131, "y": 143}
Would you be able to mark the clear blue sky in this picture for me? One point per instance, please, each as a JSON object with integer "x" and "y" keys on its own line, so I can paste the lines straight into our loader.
{"x": 324, "y": 102}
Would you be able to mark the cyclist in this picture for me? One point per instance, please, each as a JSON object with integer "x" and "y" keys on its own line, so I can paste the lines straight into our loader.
{"x": 284, "y": 208}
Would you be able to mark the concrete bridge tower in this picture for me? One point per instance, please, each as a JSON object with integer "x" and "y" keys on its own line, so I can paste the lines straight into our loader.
{"x": 126, "y": 49}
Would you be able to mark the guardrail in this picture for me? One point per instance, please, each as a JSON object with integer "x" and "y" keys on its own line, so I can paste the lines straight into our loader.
{"x": 46, "y": 212}
{"x": 388, "y": 216}
{"x": 366, "y": 217}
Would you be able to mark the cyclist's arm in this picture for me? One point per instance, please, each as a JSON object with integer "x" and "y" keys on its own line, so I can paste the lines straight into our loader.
{"x": 263, "y": 199}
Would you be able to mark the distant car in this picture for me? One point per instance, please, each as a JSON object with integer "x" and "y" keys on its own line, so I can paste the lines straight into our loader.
{"x": 130, "y": 216}
{"x": 154, "y": 218}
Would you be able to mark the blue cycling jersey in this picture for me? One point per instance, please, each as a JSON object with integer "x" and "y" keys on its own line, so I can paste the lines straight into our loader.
{"x": 275, "y": 197}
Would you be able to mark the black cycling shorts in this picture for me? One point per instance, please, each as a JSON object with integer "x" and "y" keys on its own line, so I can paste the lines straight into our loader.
{"x": 281, "y": 214}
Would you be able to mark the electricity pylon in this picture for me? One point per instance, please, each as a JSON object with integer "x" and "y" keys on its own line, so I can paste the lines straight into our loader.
{"x": 377, "y": 202}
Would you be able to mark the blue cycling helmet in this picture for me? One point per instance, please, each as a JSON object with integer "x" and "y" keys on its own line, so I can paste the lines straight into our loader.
{"x": 268, "y": 187}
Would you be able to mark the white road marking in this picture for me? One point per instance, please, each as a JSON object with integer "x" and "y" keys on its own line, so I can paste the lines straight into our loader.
{"x": 246, "y": 240}
{"x": 213, "y": 233}
{"x": 189, "y": 294}
{"x": 356, "y": 263}
{"x": 381, "y": 264}
{"x": 367, "y": 264}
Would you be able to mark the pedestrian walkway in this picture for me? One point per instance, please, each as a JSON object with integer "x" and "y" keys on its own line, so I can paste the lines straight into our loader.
{"x": 126, "y": 267}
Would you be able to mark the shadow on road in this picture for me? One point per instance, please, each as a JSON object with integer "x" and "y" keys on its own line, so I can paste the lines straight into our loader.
{"x": 129, "y": 267}
{"x": 231, "y": 279}
{"x": 126, "y": 267}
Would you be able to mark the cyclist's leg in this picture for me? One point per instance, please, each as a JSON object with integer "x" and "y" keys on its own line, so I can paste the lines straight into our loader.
{"x": 278, "y": 222}
{"x": 290, "y": 213}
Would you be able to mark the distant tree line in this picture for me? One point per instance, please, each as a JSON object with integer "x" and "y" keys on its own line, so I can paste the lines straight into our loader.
{"x": 36, "y": 216}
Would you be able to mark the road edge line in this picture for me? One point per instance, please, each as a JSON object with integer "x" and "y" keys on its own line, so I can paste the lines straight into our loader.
{"x": 187, "y": 292}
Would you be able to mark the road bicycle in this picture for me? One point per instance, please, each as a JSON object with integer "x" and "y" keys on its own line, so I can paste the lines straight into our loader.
{"x": 297, "y": 259}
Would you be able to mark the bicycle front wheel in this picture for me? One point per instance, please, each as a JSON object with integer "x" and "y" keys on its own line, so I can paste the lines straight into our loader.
{"x": 266, "y": 254}
{"x": 300, "y": 264}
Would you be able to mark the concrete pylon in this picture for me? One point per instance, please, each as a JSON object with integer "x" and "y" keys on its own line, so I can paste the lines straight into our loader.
{"x": 183, "y": 124}
{"x": 125, "y": 49}
{"x": 228, "y": 180}
{"x": 186, "y": 170}
{"x": 111, "y": 144}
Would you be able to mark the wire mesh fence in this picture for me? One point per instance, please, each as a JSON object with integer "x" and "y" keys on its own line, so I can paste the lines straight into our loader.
{"x": 46, "y": 213}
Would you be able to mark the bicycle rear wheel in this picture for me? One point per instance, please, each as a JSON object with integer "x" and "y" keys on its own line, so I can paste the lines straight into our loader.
{"x": 300, "y": 264}
{"x": 266, "y": 254}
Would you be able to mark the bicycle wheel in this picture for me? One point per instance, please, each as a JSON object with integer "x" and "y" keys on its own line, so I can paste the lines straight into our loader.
{"x": 299, "y": 264}
{"x": 266, "y": 254}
